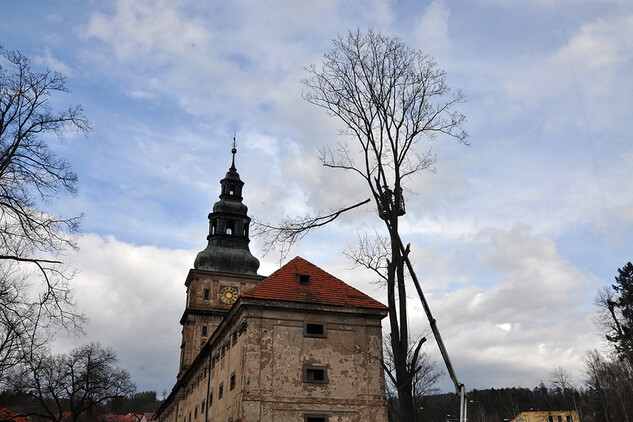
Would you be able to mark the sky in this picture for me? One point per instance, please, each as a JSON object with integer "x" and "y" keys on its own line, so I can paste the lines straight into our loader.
{"x": 511, "y": 236}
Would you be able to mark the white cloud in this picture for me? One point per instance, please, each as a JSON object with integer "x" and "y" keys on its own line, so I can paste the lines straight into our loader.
{"x": 53, "y": 63}
{"x": 431, "y": 32}
{"x": 133, "y": 296}
{"x": 534, "y": 316}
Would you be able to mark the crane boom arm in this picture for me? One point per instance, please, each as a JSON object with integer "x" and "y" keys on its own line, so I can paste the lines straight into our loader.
{"x": 460, "y": 389}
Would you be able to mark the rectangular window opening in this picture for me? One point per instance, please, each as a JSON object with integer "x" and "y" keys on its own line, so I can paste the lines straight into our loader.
{"x": 315, "y": 374}
{"x": 232, "y": 381}
{"x": 204, "y": 330}
{"x": 315, "y": 418}
{"x": 221, "y": 391}
{"x": 206, "y": 294}
{"x": 314, "y": 329}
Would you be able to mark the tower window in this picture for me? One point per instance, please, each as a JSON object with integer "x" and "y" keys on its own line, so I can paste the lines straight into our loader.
{"x": 230, "y": 227}
{"x": 221, "y": 390}
{"x": 206, "y": 294}
{"x": 214, "y": 226}
{"x": 204, "y": 331}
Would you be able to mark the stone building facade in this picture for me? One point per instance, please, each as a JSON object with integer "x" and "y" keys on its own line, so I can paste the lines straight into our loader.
{"x": 299, "y": 345}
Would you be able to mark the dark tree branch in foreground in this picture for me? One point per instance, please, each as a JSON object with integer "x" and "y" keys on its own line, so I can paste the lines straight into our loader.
{"x": 290, "y": 231}
{"x": 32, "y": 237}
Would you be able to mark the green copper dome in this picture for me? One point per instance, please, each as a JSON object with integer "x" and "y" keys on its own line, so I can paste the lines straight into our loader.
{"x": 227, "y": 250}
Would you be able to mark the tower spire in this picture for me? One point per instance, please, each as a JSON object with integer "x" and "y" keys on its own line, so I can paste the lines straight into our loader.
{"x": 227, "y": 250}
{"x": 233, "y": 151}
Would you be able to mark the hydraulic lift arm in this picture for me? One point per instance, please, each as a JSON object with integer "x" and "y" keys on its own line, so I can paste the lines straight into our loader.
{"x": 460, "y": 389}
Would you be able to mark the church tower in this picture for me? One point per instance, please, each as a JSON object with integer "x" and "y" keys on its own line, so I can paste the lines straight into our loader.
{"x": 222, "y": 271}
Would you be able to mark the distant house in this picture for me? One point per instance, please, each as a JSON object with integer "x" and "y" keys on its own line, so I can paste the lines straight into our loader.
{"x": 547, "y": 416}
{"x": 6, "y": 415}
{"x": 130, "y": 417}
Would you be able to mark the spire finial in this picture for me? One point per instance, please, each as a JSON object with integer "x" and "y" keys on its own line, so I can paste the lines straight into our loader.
{"x": 233, "y": 151}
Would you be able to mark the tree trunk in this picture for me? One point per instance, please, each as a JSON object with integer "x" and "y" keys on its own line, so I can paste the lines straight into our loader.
{"x": 398, "y": 323}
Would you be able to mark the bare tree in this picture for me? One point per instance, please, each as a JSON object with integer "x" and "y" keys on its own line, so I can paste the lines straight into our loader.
{"x": 32, "y": 238}
{"x": 612, "y": 381}
{"x": 562, "y": 382}
{"x": 72, "y": 384}
{"x": 425, "y": 378}
{"x": 389, "y": 98}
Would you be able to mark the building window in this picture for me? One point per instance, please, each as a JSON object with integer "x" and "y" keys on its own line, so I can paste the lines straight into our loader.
{"x": 211, "y": 399}
{"x": 232, "y": 381}
{"x": 315, "y": 374}
{"x": 221, "y": 390}
{"x": 315, "y": 418}
{"x": 234, "y": 338}
{"x": 204, "y": 330}
{"x": 314, "y": 329}
{"x": 202, "y": 406}
{"x": 195, "y": 413}
{"x": 223, "y": 352}
{"x": 206, "y": 294}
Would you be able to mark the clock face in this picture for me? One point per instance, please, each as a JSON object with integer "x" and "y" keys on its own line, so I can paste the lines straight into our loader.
{"x": 228, "y": 295}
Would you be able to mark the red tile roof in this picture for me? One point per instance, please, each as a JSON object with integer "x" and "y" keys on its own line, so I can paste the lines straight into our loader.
{"x": 321, "y": 287}
{"x": 7, "y": 415}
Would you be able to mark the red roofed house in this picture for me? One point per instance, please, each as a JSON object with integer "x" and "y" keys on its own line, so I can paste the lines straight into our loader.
{"x": 299, "y": 345}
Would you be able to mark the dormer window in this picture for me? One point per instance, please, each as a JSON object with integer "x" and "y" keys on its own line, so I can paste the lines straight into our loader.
{"x": 304, "y": 279}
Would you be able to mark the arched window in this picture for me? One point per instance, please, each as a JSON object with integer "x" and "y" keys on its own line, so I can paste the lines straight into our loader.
{"x": 230, "y": 227}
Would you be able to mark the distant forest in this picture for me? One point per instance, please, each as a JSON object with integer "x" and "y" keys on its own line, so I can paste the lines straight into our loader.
{"x": 498, "y": 405}
{"x": 143, "y": 402}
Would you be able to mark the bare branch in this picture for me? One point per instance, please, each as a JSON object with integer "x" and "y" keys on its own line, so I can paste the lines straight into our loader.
{"x": 290, "y": 232}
